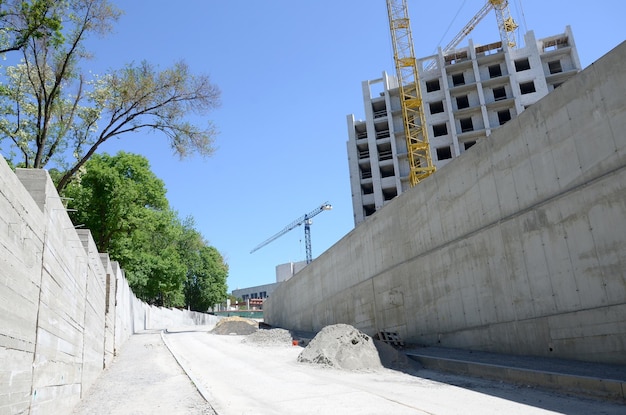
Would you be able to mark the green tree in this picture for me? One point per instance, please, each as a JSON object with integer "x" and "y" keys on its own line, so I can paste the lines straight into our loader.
{"x": 21, "y": 21}
{"x": 151, "y": 258}
{"x": 167, "y": 262}
{"x": 115, "y": 196}
{"x": 53, "y": 112}
{"x": 205, "y": 284}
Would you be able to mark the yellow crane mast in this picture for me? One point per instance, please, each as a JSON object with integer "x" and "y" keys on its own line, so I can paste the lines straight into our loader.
{"x": 415, "y": 129}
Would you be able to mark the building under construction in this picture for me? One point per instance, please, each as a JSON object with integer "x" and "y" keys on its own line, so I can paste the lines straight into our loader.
{"x": 466, "y": 94}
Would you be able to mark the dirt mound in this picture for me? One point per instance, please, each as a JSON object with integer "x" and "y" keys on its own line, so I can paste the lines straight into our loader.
{"x": 271, "y": 337}
{"x": 342, "y": 346}
{"x": 236, "y": 326}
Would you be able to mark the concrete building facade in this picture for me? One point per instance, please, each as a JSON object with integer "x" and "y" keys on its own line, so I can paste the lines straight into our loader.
{"x": 467, "y": 93}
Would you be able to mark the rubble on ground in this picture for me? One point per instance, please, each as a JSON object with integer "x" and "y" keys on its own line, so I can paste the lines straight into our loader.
{"x": 273, "y": 337}
{"x": 235, "y": 326}
{"x": 342, "y": 346}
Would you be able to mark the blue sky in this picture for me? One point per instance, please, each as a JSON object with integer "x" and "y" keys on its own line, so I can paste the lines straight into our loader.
{"x": 290, "y": 72}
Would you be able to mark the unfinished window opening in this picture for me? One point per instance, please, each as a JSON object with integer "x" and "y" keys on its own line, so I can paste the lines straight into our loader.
{"x": 387, "y": 171}
{"x": 555, "y": 67}
{"x": 527, "y": 87}
{"x": 360, "y": 131}
{"x": 379, "y": 109}
{"x": 499, "y": 94}
{"x": 495, "y": 71}
{"x": 458, "y": 79}
{"x": 440, "y": 129}
{"x": 504, "y": 116}
{"x": 369, "y": 210}
{"x": 453, "y": 58}
{"x": 364, "y": 152}
{"x": 390, "y": 193}
{"x": 444, "y": 153}
{"x": 468, "y": 144}
{"x": 555, "y": 44}
{"x": 556, "y": 85}
{"x": 466, "y": 124}
{"x": 367, "y": 189}
{"x": 366, "y": 172}
{"x": 433, "y": 85}
{"x": 436, "y": 107}
{"x": 522, "y": 65}
{"x": 382, "y": 130}
{"x": 384, "y": 152}
{"x": 462, "y": 102}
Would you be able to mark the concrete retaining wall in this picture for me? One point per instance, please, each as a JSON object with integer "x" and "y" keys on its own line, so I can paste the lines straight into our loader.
{"x": 64, "y": 308}
{"x": 516, "y": 247}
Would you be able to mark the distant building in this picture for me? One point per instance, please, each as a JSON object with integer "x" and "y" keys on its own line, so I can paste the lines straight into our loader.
{"x": 261, "y": 292}
{"x": 467, "y": 93}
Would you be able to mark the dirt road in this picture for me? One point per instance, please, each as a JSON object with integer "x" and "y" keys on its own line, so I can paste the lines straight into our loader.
{"x": 245, "y": 378}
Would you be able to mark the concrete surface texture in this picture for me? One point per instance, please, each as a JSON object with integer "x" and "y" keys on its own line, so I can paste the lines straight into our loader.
{"x": 238, "y": 377}
{"x": 65, "y": 309}
{"x": 145, "y": 379}
{"x": 517, "y": 247}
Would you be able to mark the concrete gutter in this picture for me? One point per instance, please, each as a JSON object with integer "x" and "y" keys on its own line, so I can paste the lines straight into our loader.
{"x": 572, "y": 377}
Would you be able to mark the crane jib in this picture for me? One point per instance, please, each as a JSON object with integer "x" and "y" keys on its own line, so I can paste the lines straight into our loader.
{"x": 303, "y": 219}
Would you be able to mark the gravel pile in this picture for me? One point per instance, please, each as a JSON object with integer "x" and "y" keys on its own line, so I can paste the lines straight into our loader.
{"x": 235, "y": 326}
{"x": 342, "y": 346}
{"x": 273, "y": 337}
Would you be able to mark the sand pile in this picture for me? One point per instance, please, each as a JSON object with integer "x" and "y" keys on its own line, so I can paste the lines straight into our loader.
{"x": 273, "y": 337}
{"x": 236, "y": 326}
{"x": 342, "y": 346}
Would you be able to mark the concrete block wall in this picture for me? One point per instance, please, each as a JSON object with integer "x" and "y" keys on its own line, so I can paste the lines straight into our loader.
{"x": 65, "y": 309}
{"x": 516, "y": 247}
{"x": 21, "y": 246}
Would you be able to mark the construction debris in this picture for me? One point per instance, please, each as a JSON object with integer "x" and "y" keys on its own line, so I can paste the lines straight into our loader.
{"x": 342, "y": 346}
{"x": 389, "y": 337}
{"x": 235, "y": 326}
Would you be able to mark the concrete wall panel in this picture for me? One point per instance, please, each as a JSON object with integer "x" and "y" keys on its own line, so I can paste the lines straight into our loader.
{"x": 515, "y": 247}
{"x": 64, "y": 308}
{"x": 21, "y": 246}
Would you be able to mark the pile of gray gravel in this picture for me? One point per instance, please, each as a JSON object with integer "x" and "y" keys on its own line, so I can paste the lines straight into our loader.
{"x": 342, "y": 346}
{"x": 273, "y": 337}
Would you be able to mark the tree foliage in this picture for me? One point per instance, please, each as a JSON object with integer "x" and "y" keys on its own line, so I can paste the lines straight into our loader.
{"x": 167, "y": 262}
{"x": 205, "y": 283}
{"x": 53, "y": 112}
{"x": 22, "y": 20}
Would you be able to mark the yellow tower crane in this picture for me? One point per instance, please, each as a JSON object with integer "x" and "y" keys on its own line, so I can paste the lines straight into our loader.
{"x": 415, "y": 130}
{"x": 506, "y": 24}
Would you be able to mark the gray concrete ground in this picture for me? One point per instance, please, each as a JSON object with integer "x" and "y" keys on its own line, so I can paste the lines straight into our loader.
{"x": 239, "y": 377}
{"x": 144, "y": 379}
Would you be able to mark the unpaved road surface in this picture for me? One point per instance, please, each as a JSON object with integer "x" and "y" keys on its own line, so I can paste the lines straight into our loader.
{"x": 144, "y": 379}
{"x": 240, "y": 378}
{"x": 243, "y": 378}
